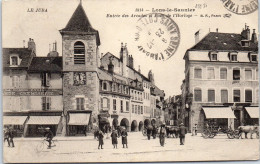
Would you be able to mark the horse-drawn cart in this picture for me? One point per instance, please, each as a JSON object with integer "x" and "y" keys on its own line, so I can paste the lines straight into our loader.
{"x": 212, "y": 131}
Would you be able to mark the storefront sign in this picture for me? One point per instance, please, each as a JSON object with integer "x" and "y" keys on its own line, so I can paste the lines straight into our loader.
{"x": 32, "y": 92}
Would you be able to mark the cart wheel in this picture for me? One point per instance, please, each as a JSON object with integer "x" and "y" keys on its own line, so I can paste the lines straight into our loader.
{"x": 212, "y": 135}
{"x": 237, "y": 135}
{"x": 230, "y": 135}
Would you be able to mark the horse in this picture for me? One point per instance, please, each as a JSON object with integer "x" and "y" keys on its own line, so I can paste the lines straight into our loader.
{"x": 248, "y": 129}
{"x": 172, "y": 131}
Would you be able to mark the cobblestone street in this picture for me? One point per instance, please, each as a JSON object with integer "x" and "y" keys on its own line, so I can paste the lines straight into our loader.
{"x": 84, "y": 149}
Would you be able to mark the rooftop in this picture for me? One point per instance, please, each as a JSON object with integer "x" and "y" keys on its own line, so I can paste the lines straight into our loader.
{"x": 46, "y": 64}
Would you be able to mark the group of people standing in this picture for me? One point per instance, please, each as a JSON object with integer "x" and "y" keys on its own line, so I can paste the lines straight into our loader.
{"x": 9, "y": 136}
{"x": 162, "y": 133}
{"x": 114, "y": 135}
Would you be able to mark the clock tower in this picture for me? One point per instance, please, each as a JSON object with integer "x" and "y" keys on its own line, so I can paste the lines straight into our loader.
{"x": 80, "y": 54}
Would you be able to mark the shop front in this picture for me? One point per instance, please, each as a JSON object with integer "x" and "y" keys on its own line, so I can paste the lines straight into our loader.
{"x": 252, "y": 115}
{"x": 78, "y": 123}
{"x": 104, "y": 123}
{"x": 222, "y": 117}
{"x": 16, "y": 123}
{"x": 36, "y": 125}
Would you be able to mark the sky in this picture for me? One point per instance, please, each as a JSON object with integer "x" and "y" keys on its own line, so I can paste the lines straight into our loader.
{"x": 18, "y": 24}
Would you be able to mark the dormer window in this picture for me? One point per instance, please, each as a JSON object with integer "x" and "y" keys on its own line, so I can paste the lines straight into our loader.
{"x": 245, "y": 43}
{"x": 14, "y": 60}
{"x": 104, "y": 86}
{"x": 253, "y": 57}
{"x": 214, "y": 57}
{"x": 233, "y": 57}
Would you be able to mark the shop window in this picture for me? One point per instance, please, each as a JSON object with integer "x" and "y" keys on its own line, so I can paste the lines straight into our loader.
{"x": 248, "y": 95}
{"x": 224, "y": 96}
{"x": 223, "y": 73}
{"x": 80, "y": 101}
{"x": 15, "y": 81}
{"x": 248, "y": 74}
{"x": 236, "y": 95}
{"x": 211, "y": 73}
{"x": 236, "y": 74}
{"x": 197, "y": 73}
{"x": 121, "y": 106}
{"x": 127, "y": 106}
{"x": 14, "y": 60}
{"x": 79, "y": 53}
{"x": 211, "y": 95}
{"x": 114, "y": 104}
{"x": 46, "y": 103}
{"x": 79, "y": 78}
{"x": 45, "y": 79}
{"x": 197, "y": 95}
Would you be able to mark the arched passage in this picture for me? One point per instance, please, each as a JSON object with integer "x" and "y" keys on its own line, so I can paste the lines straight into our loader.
{"x": 134, "y": 126}
{"x": 141, "y": 125}
{"x": 124, "y": 122}
{"x": 115, "y": 123}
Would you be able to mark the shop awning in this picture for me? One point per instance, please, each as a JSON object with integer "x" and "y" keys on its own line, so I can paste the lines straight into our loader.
{"x": 79, "y": 119}
{"x": 218, "y": 112}
{"x": 253, "y": 112}
{"x": 14, "y": 120}
{"x": 44, "y": 120}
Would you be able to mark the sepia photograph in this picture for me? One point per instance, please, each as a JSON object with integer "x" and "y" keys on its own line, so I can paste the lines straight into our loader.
{"x": 130, "y": 81}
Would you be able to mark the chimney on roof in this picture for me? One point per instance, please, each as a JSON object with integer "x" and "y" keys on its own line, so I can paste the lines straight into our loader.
{"x": 31, "y": 45}
{"x": 197, "y": 36}
{"x": 54, "y": 52}
{"x": 245, "y": 33}
{"x": 248, "y": 33}
{"x": 139, "y": 69}
{"x": 216, "y": 29}
{"x": 254, "y": 37}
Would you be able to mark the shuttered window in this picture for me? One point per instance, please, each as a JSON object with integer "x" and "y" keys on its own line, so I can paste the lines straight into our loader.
{"x": 211, "y": 73}
{"x": 80, "y": 103}
{"x": 236, "y": 74}
{"x": 248, "y": 95}
{"x": 46, "y": 103}
{"x": 236, "y": 95}
{"x": 197, "y": 73}
{"x": 121, "y": 106}
{"x": 79, "y": 53}
{"x": 223, "y": 73}
{"x": 224, "y": 96}
{"x": 248, "y": 74}
{"x": 45, "y": 79}
{"x": 114, "y": 104}
{"x": 197, "y": 95}
{"x": 127, "y": 106}
{"x": 211, "y": 95}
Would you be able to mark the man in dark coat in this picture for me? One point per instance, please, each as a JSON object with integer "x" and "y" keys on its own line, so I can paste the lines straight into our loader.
{"x": 6, "y": 136}
{"x": 149, "y": 131}
{"x": 154, "y": 131}
{"x": 114, "y": 138}
{"x": 49, "y": 136}
{"x": 100, "y": 139}
{"x": 162, "y": 135}
{"x": 11, "y": 136}
{"x": 124, "y": 138}
{"x": 182, "y": 132}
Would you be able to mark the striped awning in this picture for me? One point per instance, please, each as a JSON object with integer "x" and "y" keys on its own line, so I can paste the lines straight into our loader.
{"x": 253, "y": 112}
{"x": 79, "y": 118}
{"x": 218, "y": 112}
{"x": 14, "y": 120}
{"x": 44, "y": 120}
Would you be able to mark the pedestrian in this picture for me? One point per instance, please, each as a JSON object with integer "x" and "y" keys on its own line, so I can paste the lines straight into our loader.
{"x": 11, "y": 136}
{"x": 6, "y": 136}
{"x": 196, "y": 129}
{"x": 124, "y": 137}
{"x": 114, "y": 138}
{"x": 100, "y": 139}
{"x": 182, "y": 132}
{"x": 162, "y": 135}
{"x": 149, "y": 131}
{"x": 49, "y": 136}
{"x": 154, "y": 131}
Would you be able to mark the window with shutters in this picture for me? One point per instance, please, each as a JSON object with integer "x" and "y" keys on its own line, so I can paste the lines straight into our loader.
{"x": 236, "y": 74}
{"x": 142, "y": 112}
{"x": 248, "y": 95}
{"x": 15, "y": 81}
{"x": 211, "y": 95}
{"x": 224, "y": 95}
{"x": 236, "y": 95}
{"x": 80, "y": 101}
{"x": 223, "y": 73}
{"x": 136, "y": 109}
{"x": 114, "y": 104}
{"x": 105, "y": 104}
{"x": 79, "y": 53}
{"x": 46, "y": 79}
{"x": 133, "y": 108}
{"x": 197, "y": 95}
{"x": 127, "y": 106}
{"x": 197, "y": 73}
{"x": 121, "y": 106}
{"x": 211, "y": 73}
{"x": 46, "y": 103}
{"x": 248, "y": 74}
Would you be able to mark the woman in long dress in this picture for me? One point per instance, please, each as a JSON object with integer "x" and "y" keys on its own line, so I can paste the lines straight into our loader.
{"x": 100, "y": 139}
{"x": 114, "y": 138}
{"x": 124, "y": 138}
{"x": 162, "y": 135}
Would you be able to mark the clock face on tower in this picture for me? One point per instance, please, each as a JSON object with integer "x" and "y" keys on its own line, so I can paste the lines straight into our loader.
{"x": 79, "y": 78}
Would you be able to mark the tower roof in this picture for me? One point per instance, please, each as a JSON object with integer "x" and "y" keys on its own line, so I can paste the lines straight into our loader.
{"x": 79, "y": 22}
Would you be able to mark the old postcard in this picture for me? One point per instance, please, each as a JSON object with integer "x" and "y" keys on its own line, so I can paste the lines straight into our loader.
{"x": 130, "y": 81}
